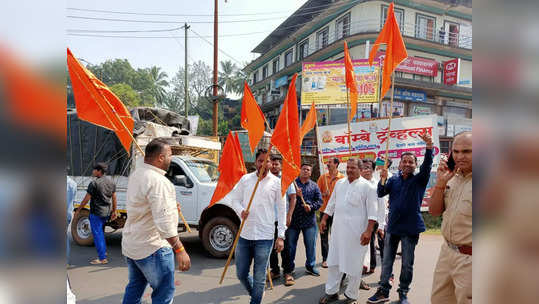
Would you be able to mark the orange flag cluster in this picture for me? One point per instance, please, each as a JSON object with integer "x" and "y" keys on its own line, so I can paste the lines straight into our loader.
{"x": 350, "y": 82}
{"x": 231, "y": 168}
{"x": 252, "y": 118}
{"x": 395, "y": 48}
{"x": 286, "y": 137}
{"x": 97, "y": 104}
{"x": 308, "y": 123}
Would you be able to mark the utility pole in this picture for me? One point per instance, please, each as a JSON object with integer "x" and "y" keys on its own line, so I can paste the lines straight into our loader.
{"x": 215, "y": 67}
{"x": 186, "y": 27}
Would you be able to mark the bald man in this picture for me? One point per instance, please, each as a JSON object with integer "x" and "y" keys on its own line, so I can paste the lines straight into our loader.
{"x": 452, "y": 198}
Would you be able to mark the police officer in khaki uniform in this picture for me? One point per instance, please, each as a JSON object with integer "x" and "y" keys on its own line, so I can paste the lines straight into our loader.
{"x": 452, "y": 197}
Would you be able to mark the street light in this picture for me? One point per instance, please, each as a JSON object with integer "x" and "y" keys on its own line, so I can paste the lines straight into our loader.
{"x": 215, "y": 93}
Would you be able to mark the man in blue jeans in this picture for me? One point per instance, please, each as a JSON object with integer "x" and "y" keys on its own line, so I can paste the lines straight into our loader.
{"x": 256, "y": 238}
{"x": 406, "y": 191}
{"x": 150, "y": 239}
{"x": 304, "y": 220}
{"x": 102, "y": 197}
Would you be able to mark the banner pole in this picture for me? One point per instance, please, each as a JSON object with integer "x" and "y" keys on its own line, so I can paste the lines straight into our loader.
{"x": 389, "y": 123}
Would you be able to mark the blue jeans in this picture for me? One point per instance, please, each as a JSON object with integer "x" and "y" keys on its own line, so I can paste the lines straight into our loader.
{"x": 246, "y": 251}
{"x": 157, "y": 270}
{"x": 309, "y": 239}
{"x": 408, "y": 243}
{"x": 97, "y": 223}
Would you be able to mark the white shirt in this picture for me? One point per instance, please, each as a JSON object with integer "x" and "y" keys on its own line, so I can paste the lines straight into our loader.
{"x": 352, "y": 205}
{"x": 383, "y": 210}
{"x": 260, "y": 224}
{"x": 152, "y": 213}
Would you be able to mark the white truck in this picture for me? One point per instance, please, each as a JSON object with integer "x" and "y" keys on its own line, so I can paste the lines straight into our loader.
{"x": 195, "y": 180}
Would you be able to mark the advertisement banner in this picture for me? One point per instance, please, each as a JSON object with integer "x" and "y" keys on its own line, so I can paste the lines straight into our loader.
{"x": 414, "y": 65}
{"x": 412, "y": 95}
{"x": 323, "y": 82}
{"x": 369, "y": 138}
{"x": 451, "y": 71}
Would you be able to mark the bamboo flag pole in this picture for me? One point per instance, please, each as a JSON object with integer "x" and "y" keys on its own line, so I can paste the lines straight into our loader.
{"x": 260, "y": 174}
{"x": 320, "y": 157}
{"x": 389, "y": 122}
{"x": 348, "y": 119}
{"x": 183, "y": 219}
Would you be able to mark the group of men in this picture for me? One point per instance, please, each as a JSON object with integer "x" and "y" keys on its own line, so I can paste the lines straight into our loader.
{"x": 353, "y": 206}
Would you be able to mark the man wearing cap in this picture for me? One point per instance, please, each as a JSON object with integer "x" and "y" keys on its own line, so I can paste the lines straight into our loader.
{"x": 102, "y": 197}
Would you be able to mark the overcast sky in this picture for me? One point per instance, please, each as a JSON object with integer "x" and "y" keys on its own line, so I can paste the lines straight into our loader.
{"x": 168, "y": 52}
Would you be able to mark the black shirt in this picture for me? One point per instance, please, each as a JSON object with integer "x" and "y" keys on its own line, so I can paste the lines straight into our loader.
{"x": 101, "y": 190}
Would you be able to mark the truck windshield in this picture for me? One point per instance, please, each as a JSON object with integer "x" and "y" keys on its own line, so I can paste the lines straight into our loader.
{"x": 205, "y": 171}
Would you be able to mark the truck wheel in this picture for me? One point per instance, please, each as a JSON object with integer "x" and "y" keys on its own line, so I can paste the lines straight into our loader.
{"x": 218, "y": 236}
{"x": 81, "y": 230}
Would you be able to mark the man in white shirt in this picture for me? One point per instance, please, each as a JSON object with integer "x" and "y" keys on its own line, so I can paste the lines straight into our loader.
{"x": 150, "y": 235}
{"x": 256, "y": 238}
{"x": 354, "y": 210}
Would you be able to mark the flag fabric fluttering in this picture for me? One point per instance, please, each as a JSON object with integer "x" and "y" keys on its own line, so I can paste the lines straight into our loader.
{"x": 231, "y": 168}
{"x": 252, "y": 118}
{"x": 395, "y": 48}
{"x": 97, "y": 104}
{"x": 286, "y": 137}
{"x": 308, "y": 123}
{"x": 350, "y": 82}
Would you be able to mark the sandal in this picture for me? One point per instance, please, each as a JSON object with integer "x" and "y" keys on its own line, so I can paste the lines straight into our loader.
{"x": 99, "y": 262}
{"x": 329, "y": 298}
{"x": 289, "y": 280}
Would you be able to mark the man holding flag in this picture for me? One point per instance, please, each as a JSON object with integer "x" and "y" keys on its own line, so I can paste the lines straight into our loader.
{"x": 256, "y": 238}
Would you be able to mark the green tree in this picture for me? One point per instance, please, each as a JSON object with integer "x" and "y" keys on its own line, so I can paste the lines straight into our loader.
{"x": 126, "y": 94}
{"x": 159, "y": 82}
{"x": 231, "y": 78}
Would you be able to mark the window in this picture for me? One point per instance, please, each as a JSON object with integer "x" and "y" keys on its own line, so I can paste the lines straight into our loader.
{"x": 288, "y": 59}
{"x": 265, "y": 72}
{"x": 254, "y": 76}
{"x": 303, "y": 50}
{"x": 322, "y": 38}
{"x": 342, "y": 27}
{"x": 399, "y": 15}
{"x": 275, "y": 65}
{"x": 425, "y": 26}
{"x": 423, "y": 78}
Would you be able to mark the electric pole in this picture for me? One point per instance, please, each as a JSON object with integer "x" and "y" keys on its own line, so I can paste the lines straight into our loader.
{"x": 215, "y": 68}
{"x": 186, "y": 27}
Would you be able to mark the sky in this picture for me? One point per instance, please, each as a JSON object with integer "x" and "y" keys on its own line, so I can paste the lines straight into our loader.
{"x": 168, "y": 52}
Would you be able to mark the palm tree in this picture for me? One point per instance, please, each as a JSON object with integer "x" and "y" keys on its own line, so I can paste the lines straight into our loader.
{"x": 231, "y": 77}
{"x": 160, "y": 82}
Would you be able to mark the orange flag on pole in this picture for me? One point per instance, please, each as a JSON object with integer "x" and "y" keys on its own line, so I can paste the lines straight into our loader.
{"x": 395, "y": 48}
{"x": 308, "y": 123}
{"x": 285, "y": 137}
{"x": 350, "y": 82}
{"x": 97, "y": 104}
{"x": 252, "y": 118}
{"x": 231, "y": 168}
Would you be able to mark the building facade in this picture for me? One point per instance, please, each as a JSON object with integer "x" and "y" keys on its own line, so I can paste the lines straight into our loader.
{"x": 436, "y": 33}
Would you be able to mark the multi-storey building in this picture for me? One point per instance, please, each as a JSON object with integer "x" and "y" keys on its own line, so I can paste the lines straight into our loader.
{"x": 434, "y": 32}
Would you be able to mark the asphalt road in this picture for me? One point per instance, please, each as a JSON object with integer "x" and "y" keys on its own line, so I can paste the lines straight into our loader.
{"x": 105, "y": 283}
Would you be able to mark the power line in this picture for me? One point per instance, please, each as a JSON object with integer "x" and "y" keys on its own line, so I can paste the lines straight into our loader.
{"x": 168, "y": 14}
{"x": 89, "y": 34}
{"x": 169, "y": 22}
{"x": 229, "y": 56}
{"x": 124, "y": 31}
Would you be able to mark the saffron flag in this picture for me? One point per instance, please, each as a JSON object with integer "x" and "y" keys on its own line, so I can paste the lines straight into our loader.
{"x": 308, "y": 123}
{"x": 395, "y": 49}
{"x": 286, "y": 137}
{"x": 252, "y": 118}
{"x": 231, "y": 168}
{"x": 97, "y": 104}
{"x": 350, "y": 82}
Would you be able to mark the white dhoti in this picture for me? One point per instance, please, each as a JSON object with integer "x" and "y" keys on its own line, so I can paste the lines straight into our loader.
{"x": 352, "y": 205}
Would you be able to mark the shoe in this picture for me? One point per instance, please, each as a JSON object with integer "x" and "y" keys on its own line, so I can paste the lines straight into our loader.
{"x": 288, "y": 280}
{"x": 364, "y": 285}
{"x": 403, "y": 299}
{"x": 371, "y": 271}
{"x": 364, "y": 272}
{"x": 324, "y": 264}
{"x": 313, "y": 271}
{"x": 378, "y": 297}
{"x": 99, "y": 262}
{"x": 349, "y": 300}
{"x": 328, "y": 298}
{"x": 275, "y": 275}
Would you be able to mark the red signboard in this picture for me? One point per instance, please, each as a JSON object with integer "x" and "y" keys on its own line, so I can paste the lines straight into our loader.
{"x": 451, "y": 71}
{"x": 415, "y": 65}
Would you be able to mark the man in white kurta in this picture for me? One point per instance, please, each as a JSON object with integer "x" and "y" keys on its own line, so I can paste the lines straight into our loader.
{"x": 354, "y": 210}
